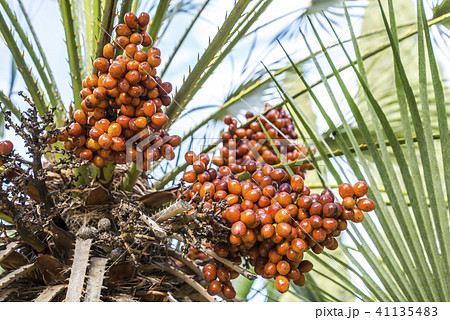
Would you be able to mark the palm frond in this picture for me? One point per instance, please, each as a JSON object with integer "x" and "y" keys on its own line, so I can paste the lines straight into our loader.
{"x": 183, "y": 37}
{"x": 158, "y": 18}
{"x": 106, "y": 27}
{"x": 193, "y": 81}
{"x": 396, "y": 247}
{"x": 24, "y": 70}
{"x": 72, "y": 50}
{"x": 48, "y": 81}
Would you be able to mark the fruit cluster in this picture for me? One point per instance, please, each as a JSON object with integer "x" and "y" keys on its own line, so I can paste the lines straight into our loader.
{"x": 123, "y": 100}
{"x": 273, "y": 220}
{"x": 242, "y": 146}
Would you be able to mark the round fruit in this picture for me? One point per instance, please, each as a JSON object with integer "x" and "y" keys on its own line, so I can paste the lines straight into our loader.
{"x": 298, "y": 245}
{"x": 228, "y": 291}
{"x": 358, "y": 216}
{"x": 301, "y": 280}
{"x": 360, "y": 188}
{"x": 330, "y": 224}
{"x": 238, "y": 229}
{"x": 348, "y": 202}
{"x": 366, "y": 205}
{"x": 199, "y": 166}
{"x": 143, "y": 19}
{"x": 267, "y": 231}
{"x": 297, "y": 183}
{"x": 305, "y": 266}
{"x": 215, "y": 287}
{"x": 131, "y": 20}
{"x": 6, "y": 147}
{"x": 75, "y": 130}
{"x": 283, "y": 267}
{"x": 283, "y": 229}
{"x": 190, "y": 157}
{"x": 190, "y": 176}
{"x": 282, "y": 284}
{"x": 346, "y": 190}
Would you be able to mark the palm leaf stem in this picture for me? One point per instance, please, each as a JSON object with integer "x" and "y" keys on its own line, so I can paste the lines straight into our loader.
{"x": 72, "y": 53}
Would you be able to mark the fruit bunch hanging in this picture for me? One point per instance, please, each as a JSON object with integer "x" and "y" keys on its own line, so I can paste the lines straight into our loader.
{"x": 271, "y": 220}
{"x": 248, "y": 148}
{"x": 123, "y": 102}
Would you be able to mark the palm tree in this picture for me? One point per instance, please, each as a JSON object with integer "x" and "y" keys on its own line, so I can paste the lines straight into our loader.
{"x": 388, "y": 128}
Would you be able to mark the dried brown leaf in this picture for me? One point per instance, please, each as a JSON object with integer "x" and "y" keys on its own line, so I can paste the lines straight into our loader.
{"x": 50, "y": 268}
{"x": 156, "y": 199}
{"x": 64, "y": 242}
{"x": 13, "y": 260}
{"x": 120, "y": 272}
{"x": 97, "y": 195}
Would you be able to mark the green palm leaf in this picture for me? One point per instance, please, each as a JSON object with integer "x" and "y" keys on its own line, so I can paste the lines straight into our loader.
{"x": 406, "y": 261}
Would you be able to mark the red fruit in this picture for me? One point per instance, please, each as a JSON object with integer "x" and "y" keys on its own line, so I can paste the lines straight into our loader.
{"x": 105, "y": 141}
{"x": 305, "y": 266}
{"x": 358, "y": 215}
{"x": 149, "y": 108}
{"x": 360, "y": 188}
{"x": 305, "y": 226}
{"x": 294, "y": 256}
{"x": 131, "y": 20}
{"x": 329, "y": 224}
{"x": 282, "y": 284}
{"x": 238, "y": 229}
{"x": 270, "y": 269}
{"x": 329, "y": 210}
{"x": 278, "y": 174}
{"x": 305, "y": 202}
{"x": 175, "y": 141}
{"x": 297, "y": 183}
{"x": 319, "y": 234}
{"x": 293, "y": 275}
{"x": 283, "y": 198}
{"x": 228, "y": 120}
{"x": 75, "y": 129}
{"x": 207, "y": 190}
{"x": 283, "y": 267}
{"x": 300, "y": 281}
{"x": 248, "y": 217}
{"x": 214, "y": 288}
{"x": 346, "y": 190}
{"x": 6, "y": 147}
{"x": 267, "y": 231}
{"x": 348, "y": 202}
{"x": 159, "y": 120}
{"x": 274, "y": 256}
{"x": 209, "y": 275}
{"x": 283, "y": 247}
{"x": 283, "y": 229}
{"x": 190, "y": 157}
{"x": 316, "y": 221}
{"x": 221, "y": 248}
{"x": 366, "y": 205}
{"x": 86, "y": 154}
{"x": 190, "y": 176}
{"x": 80, "y": 117}
{"x": 232, "y": 214}
{"x": 143, "y": 19}
{"x": 199, "y": 166}
{"x": 228, "y": 291}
